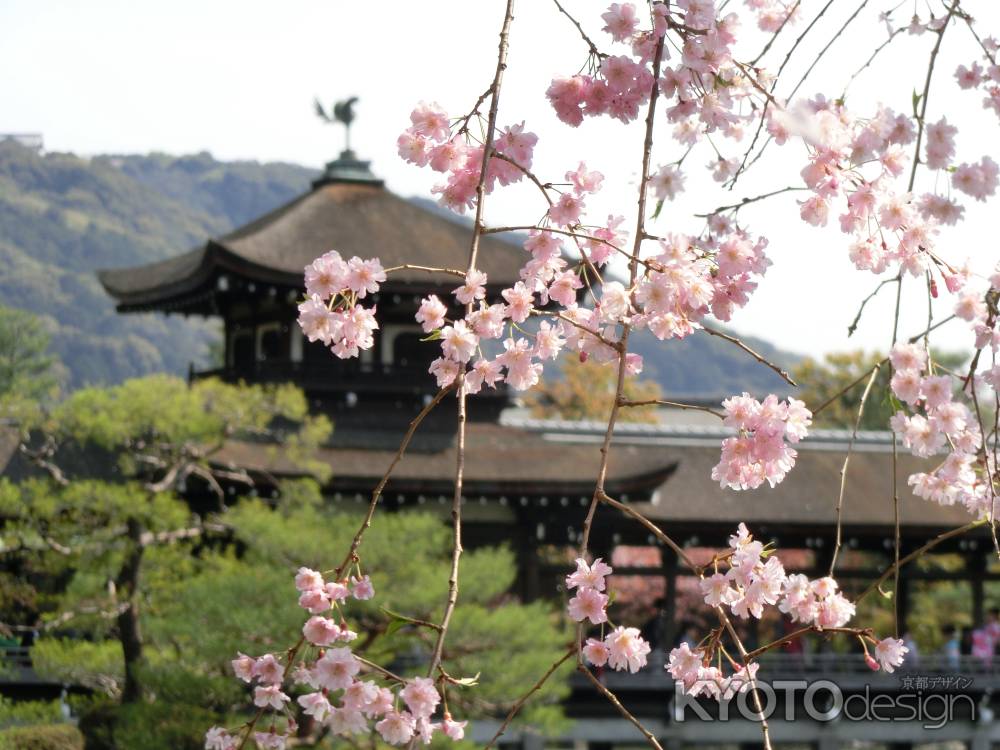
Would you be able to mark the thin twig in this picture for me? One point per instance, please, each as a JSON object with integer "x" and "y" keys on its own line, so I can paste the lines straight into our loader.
{"x": 613, "y": 699}
{"x": 377, "y": 492}
{"x": 593, "y": 47}
{"x": 626, "y": 404}
{"x": 519, "y": 704}
{"x": 737, "y": 206}
{"x": 428, "y": 269}
{"x": 943, "y": 537}
{"x": 847, "y": 458}
{"x": 759, "y": 357}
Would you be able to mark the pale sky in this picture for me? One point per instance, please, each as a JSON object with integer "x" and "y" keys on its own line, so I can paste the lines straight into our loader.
{"x": 238, "y": 79}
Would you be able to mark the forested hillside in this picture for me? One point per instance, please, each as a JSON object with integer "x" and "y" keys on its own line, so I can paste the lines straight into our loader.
{"x": 62, "y": 217}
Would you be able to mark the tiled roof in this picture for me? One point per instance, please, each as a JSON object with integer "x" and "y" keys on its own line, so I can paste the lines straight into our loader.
{"x": 355, "y": 219}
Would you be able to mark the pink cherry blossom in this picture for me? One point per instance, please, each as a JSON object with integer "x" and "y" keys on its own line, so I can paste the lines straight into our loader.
{"x": 269, "y": 670}
{"x": 315, "y": 705}
{"x": 458, "y": 342}
{"x": 335, "y": 670}
{"x": 361, "y": 588}
{"x": 243, "y": 667}
{"x": 431, "y": 313}
{"x": 473, "y": 289}
{"x": 420, "y": 696}
{"x": 269, "y": 696}
{"x": 454, "y": 730}
{"x": 566, "y": 211}
{"x": 890, "y": 652}
{"x": 589, "y": 576}
{"x": 430, "y": 120}
{"x": 588, "y": 604}
{"x": 626, "y": 649}
{"x": 397, "y": 727}
{"x": 620, "y": 21}
{"x": 596, "y": 652}
{"x": 321, "y": 631}
{"x": 218, "y": 738}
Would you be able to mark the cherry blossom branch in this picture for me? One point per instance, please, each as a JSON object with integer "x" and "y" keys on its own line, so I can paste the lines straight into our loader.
{"x": 796, "y": 634}
{"x": 613, "y": 699}
{"x": 519, "y": 704}
{"x": 428, "y": 269}
{"x": 616, "y": 345}
{"x": 640, "y": 232}
{"x": 377, "y": 492}
{"x": 878, "y": 50}
{"x": 754, "y": 694}
{"x": 847, "y": 458}
{"x": 380, "y": 670}
{"x": 759, "y": 357}
{"x": 926, "y": 93}
{"x": 857, "y": 318}
{"x": 565, "y": 232}
{"x": 849, "y": 387}
{"x": 906, "y": 559}
{"x": 477, "y": 231}
{"x": 654, "y": 529}
{"x": 745, "y": 162}
{"x": 827, "y": 46}
{"x": 593, "y": 47}
{"x": 774, "y": 36}
{"x": 626, "y": 404}
{"x": 464, "y": 128}
{"x": 982, "y": 431}
{"x": 735, "y": 207}
{"x": 544, "y": 188}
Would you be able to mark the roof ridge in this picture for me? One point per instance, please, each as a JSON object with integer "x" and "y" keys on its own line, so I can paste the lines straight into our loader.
{"x": 586, "y": 427}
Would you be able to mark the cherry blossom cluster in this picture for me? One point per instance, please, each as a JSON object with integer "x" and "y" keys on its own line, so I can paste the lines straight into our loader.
{"x": 760, "y": 451}
{"x": 707, "y": 88}
{"x": 520, "y": 364}
{"x": 622, "y": 648}
{"x": 547, "y": 286}
{"x": 986, "y": 80}
{"x": 854, "y": 164}
{"x": 332, "y": 692}
{"x": 938, "y": 421}
{"x": 692, "y": 668}
{"x": 756, "y": 579}
{"x": 773, "y": 14}
{"x": 330, "y": 312}
{"x": 429, "y": 141}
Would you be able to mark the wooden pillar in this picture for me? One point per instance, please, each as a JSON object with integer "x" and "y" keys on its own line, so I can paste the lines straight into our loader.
{"x": 528, "y": 566}
{"x": 903, "y": 600}
{"x": 975, "y": 565}
{"x": 668, "y": 617}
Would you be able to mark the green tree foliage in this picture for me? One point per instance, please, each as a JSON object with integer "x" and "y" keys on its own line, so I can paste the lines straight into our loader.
{"x": 819, "y": 381}
{"x": 145, "y": 601}
{"x": 29, "y": 374}
{"x": 26, "y": 367}
{"x": 114, "y": 462}
{"x": 42, "y": 737}
{"x": 586, "y": 390}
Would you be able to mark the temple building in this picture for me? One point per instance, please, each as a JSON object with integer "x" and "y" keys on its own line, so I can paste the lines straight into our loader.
{"x": 527, "y": 483}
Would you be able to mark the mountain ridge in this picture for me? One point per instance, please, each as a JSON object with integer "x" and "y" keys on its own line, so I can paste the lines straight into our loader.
{"x": 63, "y": 216}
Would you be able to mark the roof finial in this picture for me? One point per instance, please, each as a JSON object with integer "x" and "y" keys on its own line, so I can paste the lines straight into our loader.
{"x": 342, "y": 112}
{"x": 347, "y": 168}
